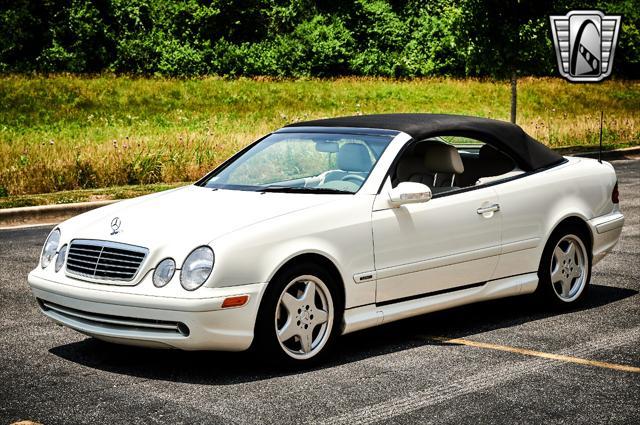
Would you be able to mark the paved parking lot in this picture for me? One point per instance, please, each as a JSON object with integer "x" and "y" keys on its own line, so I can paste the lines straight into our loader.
{"x": 505, "y": 361}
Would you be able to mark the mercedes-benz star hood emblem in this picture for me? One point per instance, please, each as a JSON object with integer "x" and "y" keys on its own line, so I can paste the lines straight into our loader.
{"x": 115, "y": 225}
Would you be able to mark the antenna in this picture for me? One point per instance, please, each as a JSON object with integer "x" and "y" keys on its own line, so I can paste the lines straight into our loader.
{"x": 600, "y": 151}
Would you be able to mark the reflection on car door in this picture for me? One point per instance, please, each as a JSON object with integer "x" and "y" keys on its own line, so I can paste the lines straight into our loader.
{"x": 439, "y": 245}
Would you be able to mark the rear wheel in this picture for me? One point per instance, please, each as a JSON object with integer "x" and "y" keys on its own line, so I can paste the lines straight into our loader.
{"x": 299, "y": 315}
{"x": 565, "y": 267}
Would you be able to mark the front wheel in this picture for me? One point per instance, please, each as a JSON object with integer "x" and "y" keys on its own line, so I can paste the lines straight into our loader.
{"x": 299, "y": 315}
{"x": 565, "y": 268}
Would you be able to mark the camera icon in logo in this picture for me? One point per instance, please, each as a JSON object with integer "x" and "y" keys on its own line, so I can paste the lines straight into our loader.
{"x": 585, "y": 42}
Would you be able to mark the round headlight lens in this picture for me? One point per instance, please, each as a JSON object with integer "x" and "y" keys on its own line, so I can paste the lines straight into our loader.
{"x": 164, "y": 272}
{"x": 62, "y": 254}
{"x": 50, "y": 248}
{"x": 196, "y": 268}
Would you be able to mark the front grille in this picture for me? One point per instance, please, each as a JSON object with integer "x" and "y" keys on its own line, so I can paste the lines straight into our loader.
{"x": 103, "y": 260}
{"x": 78, "y": 318}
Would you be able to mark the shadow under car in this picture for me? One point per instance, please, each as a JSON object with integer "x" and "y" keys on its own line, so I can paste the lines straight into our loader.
{"x": 202, "y": 367}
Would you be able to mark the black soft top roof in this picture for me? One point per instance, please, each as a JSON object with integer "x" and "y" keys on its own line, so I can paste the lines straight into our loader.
{"x": 510, "y": 138}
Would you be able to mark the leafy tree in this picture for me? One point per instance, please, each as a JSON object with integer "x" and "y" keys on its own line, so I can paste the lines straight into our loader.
{"x": 506, "y": 38}
{"x": 21, "y": 38}
{"x": 402, "y": 38}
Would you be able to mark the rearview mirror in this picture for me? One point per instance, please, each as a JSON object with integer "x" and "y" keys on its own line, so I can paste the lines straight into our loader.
{"x": 327, "y": 146}
{"x": 409, "y": 193}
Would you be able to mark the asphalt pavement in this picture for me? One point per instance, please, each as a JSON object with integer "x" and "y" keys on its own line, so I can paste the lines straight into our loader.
{"x": 399, "y": 373}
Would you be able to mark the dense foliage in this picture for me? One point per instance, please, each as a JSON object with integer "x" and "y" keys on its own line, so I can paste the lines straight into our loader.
{"x": 296, "y": 37}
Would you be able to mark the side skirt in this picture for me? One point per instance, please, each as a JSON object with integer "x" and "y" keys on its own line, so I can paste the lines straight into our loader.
{"x": 371, "y": 315}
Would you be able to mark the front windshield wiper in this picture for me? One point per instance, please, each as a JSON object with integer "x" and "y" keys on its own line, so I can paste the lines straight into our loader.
{"x": 302, "y": 189}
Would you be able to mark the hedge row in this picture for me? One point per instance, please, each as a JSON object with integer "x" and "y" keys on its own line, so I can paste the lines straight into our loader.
{"x": 295, "y": 37}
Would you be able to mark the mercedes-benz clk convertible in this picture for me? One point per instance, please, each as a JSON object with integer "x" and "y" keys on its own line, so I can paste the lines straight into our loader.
{"x": 327, "y": 227}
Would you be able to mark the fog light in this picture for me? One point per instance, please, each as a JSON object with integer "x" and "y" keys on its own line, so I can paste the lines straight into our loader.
{"x": 183, "y": 329}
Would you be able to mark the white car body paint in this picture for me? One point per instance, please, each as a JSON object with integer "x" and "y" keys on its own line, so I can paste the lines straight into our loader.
{"x": 389, "y": 258}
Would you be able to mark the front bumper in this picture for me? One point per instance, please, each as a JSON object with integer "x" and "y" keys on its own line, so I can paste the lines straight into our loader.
{"x": 152, "y": 321}
{"x": 606, "y": 231}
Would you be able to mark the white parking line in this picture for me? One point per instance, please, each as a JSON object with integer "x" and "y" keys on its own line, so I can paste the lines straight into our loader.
{"x": 534, "y": 353}
{"x": 417, "y": 400}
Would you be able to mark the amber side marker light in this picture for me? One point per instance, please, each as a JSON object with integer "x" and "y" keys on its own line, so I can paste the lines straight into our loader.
{"x": 235, "y": 301}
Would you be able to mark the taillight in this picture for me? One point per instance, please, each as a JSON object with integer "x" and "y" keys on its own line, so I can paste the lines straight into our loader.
{"x": 614, "y": 194}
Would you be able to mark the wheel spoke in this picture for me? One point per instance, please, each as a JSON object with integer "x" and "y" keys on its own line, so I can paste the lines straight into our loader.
{"x": 570, "y": 253}
{"x": 320, "y": 317}
{"x": 559, "y": 254}
{"x": 309, "y": 295}
{"x": 305, "y": 341}
{"x": 577, "y": 271}
{"x": 290, "y": 302}
{"x": 288, "y": 331}
{"x": 566, "y": 286}
{"x": 556, "y": 274}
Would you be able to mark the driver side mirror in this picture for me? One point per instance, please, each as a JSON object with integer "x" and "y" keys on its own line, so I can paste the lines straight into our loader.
{"x": 409, "y": 193}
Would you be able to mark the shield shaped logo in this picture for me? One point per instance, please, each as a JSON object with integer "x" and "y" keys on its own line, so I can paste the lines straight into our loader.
{"x": 585, "y": 42}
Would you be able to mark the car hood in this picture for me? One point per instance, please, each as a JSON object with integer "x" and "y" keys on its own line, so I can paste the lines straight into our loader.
{"x": 191, "y": 214}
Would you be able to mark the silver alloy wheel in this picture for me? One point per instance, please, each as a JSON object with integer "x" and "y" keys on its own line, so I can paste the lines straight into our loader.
{"x": 304, "y": 317}
{"x": 569, "y": 268}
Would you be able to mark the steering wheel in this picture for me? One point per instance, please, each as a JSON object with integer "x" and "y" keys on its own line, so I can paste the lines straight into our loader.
{"x": 353, "y": 178}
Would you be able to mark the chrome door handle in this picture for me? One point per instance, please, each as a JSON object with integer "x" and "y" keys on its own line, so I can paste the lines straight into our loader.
{"x": 490, "y": 208}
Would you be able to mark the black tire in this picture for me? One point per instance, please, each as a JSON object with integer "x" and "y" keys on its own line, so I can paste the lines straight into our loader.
{"x": 550, "y": 293}
{"x": 266, "y": 341}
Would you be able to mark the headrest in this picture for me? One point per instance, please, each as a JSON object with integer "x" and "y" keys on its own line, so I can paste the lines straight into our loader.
{"x": 495, "y": 162}
{"x": 410, "y": 165}
{"x": 354, "y": 157}
{"x": 442, "y": 158}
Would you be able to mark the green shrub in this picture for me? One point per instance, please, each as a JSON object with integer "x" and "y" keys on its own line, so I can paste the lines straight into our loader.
{"x": 403, "y": 38}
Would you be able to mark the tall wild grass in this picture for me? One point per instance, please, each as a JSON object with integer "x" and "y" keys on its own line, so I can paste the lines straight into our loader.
{"x": 66, "y": 132}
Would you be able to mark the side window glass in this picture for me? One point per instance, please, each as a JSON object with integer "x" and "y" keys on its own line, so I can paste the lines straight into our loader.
{"x": 434, "y": 162}
{"x": 448, "y": 163}
{"x": 483, "y": 163}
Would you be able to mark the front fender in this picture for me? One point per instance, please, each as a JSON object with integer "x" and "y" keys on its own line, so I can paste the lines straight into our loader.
{"x": 341, "y": 232}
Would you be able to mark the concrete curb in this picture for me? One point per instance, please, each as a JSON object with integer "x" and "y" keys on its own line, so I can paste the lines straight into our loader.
{"x": 11, "y": 217}
{"x": 626, "y": 153}
{"x": 45, "y": 214}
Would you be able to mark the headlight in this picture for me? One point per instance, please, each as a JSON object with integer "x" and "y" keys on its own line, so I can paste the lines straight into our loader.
{"x": 164, "y": 272}
{"x": 196, "y": 268}
{"x": 50, "y": 248}
{"x": 60, "y": 258}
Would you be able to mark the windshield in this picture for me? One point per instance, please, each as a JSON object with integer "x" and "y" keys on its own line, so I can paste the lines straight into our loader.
{"x": 303, "y": 162}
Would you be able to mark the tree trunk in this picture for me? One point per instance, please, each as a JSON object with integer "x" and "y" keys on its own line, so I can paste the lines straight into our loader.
{"x": 514, "y": 96}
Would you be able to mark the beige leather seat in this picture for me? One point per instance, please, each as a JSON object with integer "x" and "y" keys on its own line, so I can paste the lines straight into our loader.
{"x": 411, "y": 169}
{"x": 440, "y": 158}
{"x": 352, "y": 159}
{"x": 432, "y": 163}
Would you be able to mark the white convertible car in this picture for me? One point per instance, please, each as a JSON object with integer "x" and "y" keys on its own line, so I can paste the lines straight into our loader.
{"x": 331, "y": 226}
